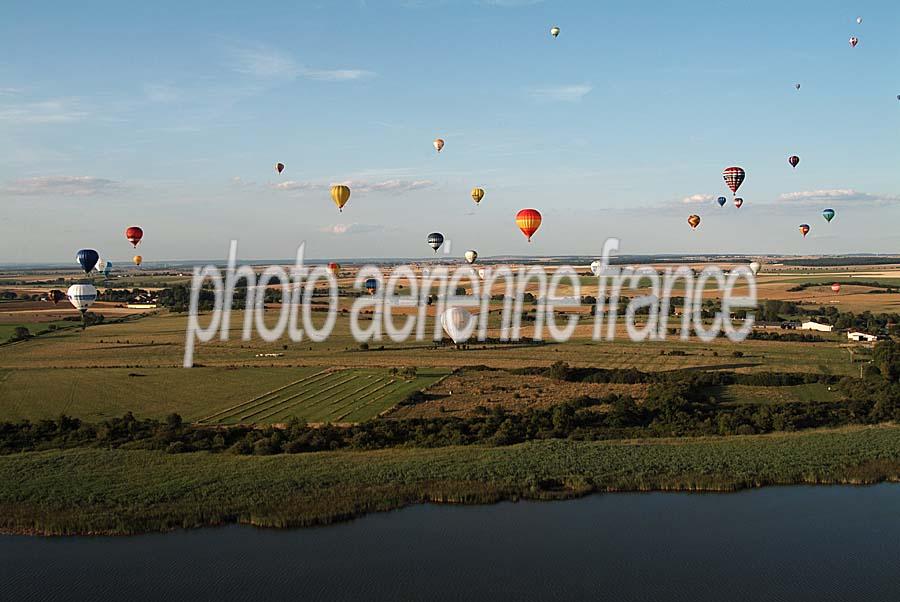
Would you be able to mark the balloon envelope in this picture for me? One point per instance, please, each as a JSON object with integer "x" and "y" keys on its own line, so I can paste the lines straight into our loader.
{"x": 56, "y": 296}
{"x": 81, "y": 296}
{"x": 804, "y": 229}
{"x": 528, "y": 220}
{"x": 457, "y": 323}
{"x": 134, "y": 235}
{"x": 334, "y": 268}
{"x": 477, "y": 195}
{"x": 88, "y": 259}
{"x": 835, "y": 288}
{"x": 754, "y": 267}
{"x": 738, "y": 201}
{"x": 853, "y": 42}
{"x": 438, "y": 144}
{"x": 721, "y": 201}
{"x": 828, "y": 214}
{"x": 279, "y": 167}
{"x": 693, "y": 221}
{"x": 137, "y": 259}
{"x": 734, "y": 177}
{"x": 794, "y": 160}
{"x": 554, "y": 31}
{"x": 371, "y": 285}
{"x": 435, "y": 240}
{"x": 471, "y": 255}
{"x": 595, "y": 267}
{"x": 340, "y": 194}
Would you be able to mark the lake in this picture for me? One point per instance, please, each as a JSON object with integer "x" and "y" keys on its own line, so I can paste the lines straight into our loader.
{"x": 779, "y": 543}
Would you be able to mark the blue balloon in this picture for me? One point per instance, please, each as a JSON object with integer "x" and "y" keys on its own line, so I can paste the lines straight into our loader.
{"x": 721, "y": 200}
{"x": 88, "y": 259}
{"x": 108, "y": 268}
{"x": 371, "y": 285}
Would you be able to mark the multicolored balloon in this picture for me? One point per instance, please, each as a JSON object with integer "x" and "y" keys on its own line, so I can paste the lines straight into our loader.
{"x": 828, "y": 214}
{"x": 738, "y": 201}
{"x": 734, "y": 177}
{"x": 693, "y": 221}
{"x": 794, "y": 160}
{"x": 477, "y": 195}
{"x": 836, "y": 288}
{"x": 438, "y": 144}
{"x": 371, "y": 285}
{"x": 804, "y": 229}
{"x": 334, "y": 268}
{"x": 471, "y": 255}
{"x": 554, "y": 31}
{"x": 528, "y": 220}
{"x": 279, "y": 167}
{"x": 854, "y": 41}
{"x": 340, "y": 194}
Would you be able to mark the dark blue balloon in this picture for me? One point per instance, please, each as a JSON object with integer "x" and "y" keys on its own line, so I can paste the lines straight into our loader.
{"x": 371, "y": 284}
{"x": 721, "y": 200}
{"x": 88, "y": 259}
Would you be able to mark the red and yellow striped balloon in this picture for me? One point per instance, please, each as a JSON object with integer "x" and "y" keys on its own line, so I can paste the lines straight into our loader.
{"x": 528, "y": 220}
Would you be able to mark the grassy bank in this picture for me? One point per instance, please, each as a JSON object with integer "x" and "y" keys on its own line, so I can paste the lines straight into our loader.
{"x": 121, "y": 491}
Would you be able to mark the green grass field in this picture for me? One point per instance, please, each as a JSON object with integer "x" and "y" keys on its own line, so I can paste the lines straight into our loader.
{"x": 34, "y": 328}
{"x": 744, "y": 394}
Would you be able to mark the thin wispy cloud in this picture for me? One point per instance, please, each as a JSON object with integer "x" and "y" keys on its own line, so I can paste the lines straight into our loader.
{"x": 161, "y": 92}
{"x": 357, "y": 186}
{"x": 60, "y": 110}
{"x": 61, "y": 186}
{"x": 264, "y": 63}
{"x": 698, "y": 198}
{"x": 570, "y": 93}
{"x": 354, "y": 228}
{"x": 837, "y": 195}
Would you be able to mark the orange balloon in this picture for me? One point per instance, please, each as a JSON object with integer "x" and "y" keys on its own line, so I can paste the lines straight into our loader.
{"x": 694, "y": 221}
{"x": 528, "y": 220}
{"x": 438, "y": 144}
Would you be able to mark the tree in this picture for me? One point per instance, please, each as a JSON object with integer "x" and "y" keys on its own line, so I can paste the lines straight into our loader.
{"x": 20, "y": 333}
{"x": 887, "y": 359}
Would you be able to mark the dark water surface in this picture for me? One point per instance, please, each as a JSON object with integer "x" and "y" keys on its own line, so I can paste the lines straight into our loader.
{"x": 785, "y": 543}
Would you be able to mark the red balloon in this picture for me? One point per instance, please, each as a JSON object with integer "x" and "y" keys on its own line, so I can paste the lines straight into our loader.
{"x": 836, "y": 288}
{"x": 134, "y": 235}
{"x": 528, "y": 220}
{"x": 734, "y": 177}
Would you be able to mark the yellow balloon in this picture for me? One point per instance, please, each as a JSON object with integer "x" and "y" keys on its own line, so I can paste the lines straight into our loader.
{"x": 340, "y": 195}
{"x": 138, "y": 259}
{"x": 477, "y": 194}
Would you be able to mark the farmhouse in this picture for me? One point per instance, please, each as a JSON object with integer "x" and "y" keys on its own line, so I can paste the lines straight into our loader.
{"x": 862, "y": 337}
{"x": 816, "y": 326}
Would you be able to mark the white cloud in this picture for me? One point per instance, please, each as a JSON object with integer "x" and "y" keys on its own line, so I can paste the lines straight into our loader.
{"x": 264, "y": 63}
{"x": 61, "y": 110}
{"x": 571, "y": 93}
{"x": 836, "y": 195}
{"x": 698, "y": 198}
{"x": 354, "y": 228}
{"x": 61, "y": 186}
{"x": 357, "y": 186}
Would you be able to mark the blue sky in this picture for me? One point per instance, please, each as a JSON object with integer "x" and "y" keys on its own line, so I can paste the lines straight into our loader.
{"x": 172, "y": 116}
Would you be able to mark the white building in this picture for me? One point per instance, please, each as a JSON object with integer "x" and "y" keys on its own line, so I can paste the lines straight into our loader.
{"x": 862, "y": 337}
{"x": 816, "y": 326}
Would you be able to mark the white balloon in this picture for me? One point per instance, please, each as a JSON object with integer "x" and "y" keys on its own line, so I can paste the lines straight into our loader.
{"x": 82, "y": 296}
{"x": 481, "y": 273}
{"x": 754, "y": 267}
{"x": 595, "y": 268}
{"x": 471, "y": 255}
{"x": 458, "y": 324}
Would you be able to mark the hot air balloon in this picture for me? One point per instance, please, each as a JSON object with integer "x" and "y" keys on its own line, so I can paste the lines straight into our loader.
{"x": 595, "y": 267}
{"x": 88, "y": 259}
{"x": 738, "y": 201}
{"x": 528, "y": 220}
{"x": 859, "y": 20}
{"x": 456, "y": 321}
{"x": 340, "y": 194}
{"x": 693, "y": 221}
{"x": 107, "y": 269}
{"x": 477, "y": 195}
{"x": 134, "y": 235}
{"x": 481, "y": 273}
{"x": 82, "y": 296}
{"x": 334, "y": 268}
{"x": 721, "y": 201}
{"x": 279, "y": 167}
{"x": 438, "y": 144}
{"x": 56, "y": 296}
{"x": 435, "y": 240}
{"x": 371, "y": 285}
{"x": 898, "y": 97}
{"x": 137, "y": 259}
{"x": 828, "y": 214}
{"x": 471, "y": 255}
{"x": 854, "y": 41}
{"x": 797, "y": 86}
{"x": 554, "y": 31}
{"x": 804, "y": 229}
{"x": 836, "y": 288}
{"x": 734, "y": 177}
{"x": 794, "y": 160}
{"x": 754, "y": 267}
